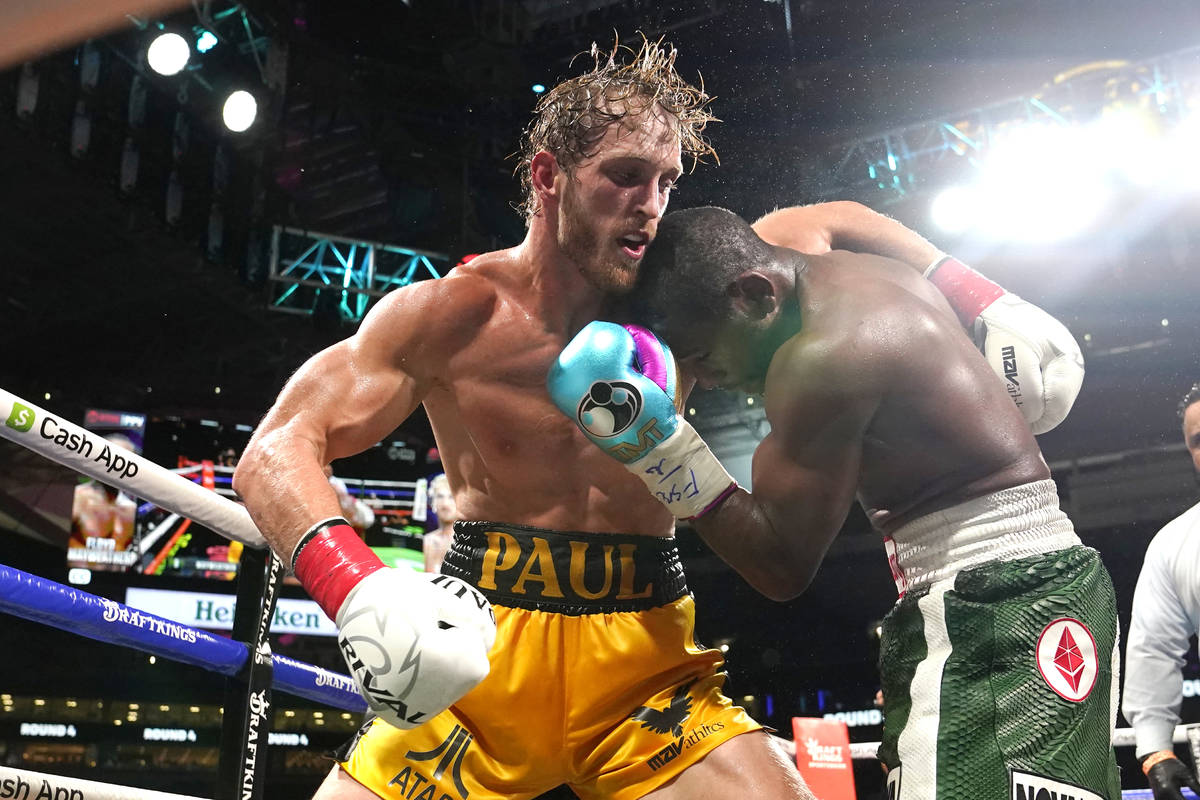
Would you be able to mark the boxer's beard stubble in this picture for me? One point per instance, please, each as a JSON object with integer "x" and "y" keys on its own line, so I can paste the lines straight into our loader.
{"x": 582, "y": 243}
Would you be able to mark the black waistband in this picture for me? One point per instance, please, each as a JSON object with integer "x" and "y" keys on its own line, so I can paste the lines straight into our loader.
{"x": 567, "y": 573}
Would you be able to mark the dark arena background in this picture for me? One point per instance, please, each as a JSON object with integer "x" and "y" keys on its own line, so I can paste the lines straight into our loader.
{"x": 164, "y": 274}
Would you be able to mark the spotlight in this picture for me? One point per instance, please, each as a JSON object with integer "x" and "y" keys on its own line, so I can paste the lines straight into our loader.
{"x": 954, "y": 209}
{"x": 239, "y": 111}
{"x": 168, "y": 54}
{"x": 1040, "y": 184}
{"x": 1130, "y": 142}
{"x": 206, "y": 41}
{"x": 538, "y": 88}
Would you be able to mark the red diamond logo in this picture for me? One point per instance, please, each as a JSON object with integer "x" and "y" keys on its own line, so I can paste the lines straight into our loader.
{"x": 1068, "y": 659}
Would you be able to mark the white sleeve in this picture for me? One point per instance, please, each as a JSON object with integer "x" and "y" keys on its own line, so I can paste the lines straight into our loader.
{"x": 1164, "y": 618}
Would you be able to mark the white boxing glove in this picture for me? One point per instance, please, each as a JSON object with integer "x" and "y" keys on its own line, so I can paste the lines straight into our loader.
{"x": 1036, "y": 356}
{"x": 415, "y": 642}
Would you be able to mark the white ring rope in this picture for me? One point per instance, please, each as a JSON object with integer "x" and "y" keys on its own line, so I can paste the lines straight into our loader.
{"x": 27, "y": 784}
{"x": 1122, "y": 737}
{"x": 72, "y": 446}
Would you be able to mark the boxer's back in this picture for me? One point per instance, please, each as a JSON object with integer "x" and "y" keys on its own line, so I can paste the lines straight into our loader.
{"x": 508, "y": 452}
{"x": 944, "y": 429}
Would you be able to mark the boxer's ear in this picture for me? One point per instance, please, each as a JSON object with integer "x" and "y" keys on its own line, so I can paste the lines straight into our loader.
{"x": 543, "y": 169}
{"x": 754, "y": 295}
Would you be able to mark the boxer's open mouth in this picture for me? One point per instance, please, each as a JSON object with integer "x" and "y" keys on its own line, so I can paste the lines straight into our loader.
{"x": 634, "y": 246}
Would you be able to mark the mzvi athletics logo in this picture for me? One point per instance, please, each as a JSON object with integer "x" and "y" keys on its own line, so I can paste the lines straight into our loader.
{"x": 670, "y": 721}
{"x": 1066, "y": 658}
{"x": 1008, "y": 358}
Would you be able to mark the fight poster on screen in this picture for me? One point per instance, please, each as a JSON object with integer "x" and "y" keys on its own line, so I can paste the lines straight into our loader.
{"x": 103, "y": 517}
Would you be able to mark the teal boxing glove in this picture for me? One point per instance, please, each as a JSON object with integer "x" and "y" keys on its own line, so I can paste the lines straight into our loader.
{"x": 619, "y": 384}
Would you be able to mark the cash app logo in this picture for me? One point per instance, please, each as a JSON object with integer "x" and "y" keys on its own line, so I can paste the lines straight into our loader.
{"x": 21, "y": 418}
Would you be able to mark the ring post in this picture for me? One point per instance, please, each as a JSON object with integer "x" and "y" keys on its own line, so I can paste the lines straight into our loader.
{"x": 242, "y": 769}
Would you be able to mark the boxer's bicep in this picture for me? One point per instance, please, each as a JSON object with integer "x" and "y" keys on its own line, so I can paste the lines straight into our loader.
{"x": 803, "y": 483}
{"x": 350, "y": 395}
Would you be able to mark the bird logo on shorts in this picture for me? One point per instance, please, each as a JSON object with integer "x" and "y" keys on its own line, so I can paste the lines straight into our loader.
{"x": 671, "y": 718}
{"x": 609, "y": 408}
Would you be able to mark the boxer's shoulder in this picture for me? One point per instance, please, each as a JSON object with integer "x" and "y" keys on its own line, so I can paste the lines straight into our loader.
{"x": 838, "y": 362}
{"x": 861, "y": 344}
{"x": 441, "y": 306}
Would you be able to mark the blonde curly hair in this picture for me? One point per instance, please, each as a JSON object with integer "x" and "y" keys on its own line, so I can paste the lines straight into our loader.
{"x": 571, "y": 119}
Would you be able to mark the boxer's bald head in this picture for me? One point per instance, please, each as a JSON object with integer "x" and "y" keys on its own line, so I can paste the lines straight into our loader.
{"x": 1189, "y": 413}
{"x": 692, "y": 263}
{"x": 714, "y": 290}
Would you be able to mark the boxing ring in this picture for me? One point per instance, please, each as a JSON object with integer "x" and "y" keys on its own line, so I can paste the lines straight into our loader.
{"x": 245, "y": 658}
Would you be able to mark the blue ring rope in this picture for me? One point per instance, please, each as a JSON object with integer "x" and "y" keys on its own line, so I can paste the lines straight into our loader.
{"x": 40, "y": 600}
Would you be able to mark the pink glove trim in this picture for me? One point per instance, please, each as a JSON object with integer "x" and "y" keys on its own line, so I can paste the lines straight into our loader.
{"x": 332, "y": 562}
{"x": 969, "y": 292}
{"x": 649, "y": 355}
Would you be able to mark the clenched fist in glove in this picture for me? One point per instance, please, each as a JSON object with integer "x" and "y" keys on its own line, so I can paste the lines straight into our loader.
{"x": 1036, "y": 356}
{"x": 415, "y": 642}
{"x": 618, "y": 382}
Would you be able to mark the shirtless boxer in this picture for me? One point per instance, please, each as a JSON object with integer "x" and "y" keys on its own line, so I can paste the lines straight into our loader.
{"x": 595, "y": 679}
{"x": 998, "y": 660}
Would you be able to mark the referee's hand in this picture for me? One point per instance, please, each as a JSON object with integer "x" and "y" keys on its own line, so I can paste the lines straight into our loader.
{"x": 1167, "y": 776}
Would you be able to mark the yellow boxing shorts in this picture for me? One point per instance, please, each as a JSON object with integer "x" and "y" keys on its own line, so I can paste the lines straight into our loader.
{"x": 596, "y": 680}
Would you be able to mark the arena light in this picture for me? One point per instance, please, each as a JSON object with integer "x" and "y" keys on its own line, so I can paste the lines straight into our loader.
{"x": 954, "y": 209}
{"x": 1050, "y": 209}
{"x": 206, "y": 41}
{"x": 1178, "y": 150}
{"x": 239, "y": 111}
{"x": 1129, "y": 142}
{"x": 1040, "y": 183}
{"x": 168, "y": 54}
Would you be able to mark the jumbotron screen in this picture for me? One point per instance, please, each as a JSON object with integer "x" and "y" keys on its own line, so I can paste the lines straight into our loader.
{"x": 114, "y": 532}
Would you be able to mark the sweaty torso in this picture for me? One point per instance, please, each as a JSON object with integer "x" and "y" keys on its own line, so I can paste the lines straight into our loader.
{"x": 509, "y": 454}
{"x": 943, "y": 430}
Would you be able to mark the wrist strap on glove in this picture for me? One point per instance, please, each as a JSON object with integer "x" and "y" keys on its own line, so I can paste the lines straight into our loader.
{"x": 330, "y": 560}
{"x": 684, "y": 474}
{"x": 968, "y": 292}
{"x": 1156, "y": 757}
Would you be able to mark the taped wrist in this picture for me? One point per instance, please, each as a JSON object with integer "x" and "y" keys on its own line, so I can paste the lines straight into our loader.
{"x": 684, "y": 474}
{"x": 1156, "y": 757}
{"x": 330, "y": 560}
{"x": 968, "y": 292}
